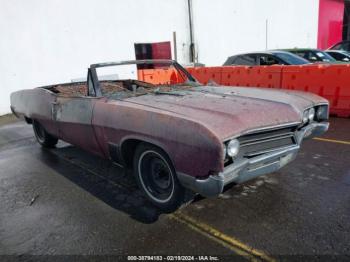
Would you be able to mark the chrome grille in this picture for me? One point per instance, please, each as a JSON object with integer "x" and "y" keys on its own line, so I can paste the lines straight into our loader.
{"x": 266, "y": 141}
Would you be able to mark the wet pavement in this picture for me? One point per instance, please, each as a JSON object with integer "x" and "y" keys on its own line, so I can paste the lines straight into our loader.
{"x": 65, "y": 201}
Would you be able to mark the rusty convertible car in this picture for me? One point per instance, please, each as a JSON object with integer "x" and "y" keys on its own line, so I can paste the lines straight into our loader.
{"x": 178, "y": 137}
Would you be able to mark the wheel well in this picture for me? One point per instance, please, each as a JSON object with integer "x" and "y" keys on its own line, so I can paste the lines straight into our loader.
{"x": 128, "y": 149}
{"x": 28, "y": 120}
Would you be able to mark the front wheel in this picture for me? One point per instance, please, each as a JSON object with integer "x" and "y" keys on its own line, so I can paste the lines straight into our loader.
{"x": 156, "y": 177}
{"x": 43, "y": 138}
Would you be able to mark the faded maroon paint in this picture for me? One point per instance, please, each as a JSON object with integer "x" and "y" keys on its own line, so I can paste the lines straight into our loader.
{"x": 35, "y": 104}
{"x": 330, "y": 22}
{"x": 192, "y": 147}
{"x": 190, "y": 128}
{"x": 74, "y": 116}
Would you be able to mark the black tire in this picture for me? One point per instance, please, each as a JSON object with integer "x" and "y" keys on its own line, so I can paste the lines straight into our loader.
{"x": 43, "y": 138}
{"x": 157, "y": 178}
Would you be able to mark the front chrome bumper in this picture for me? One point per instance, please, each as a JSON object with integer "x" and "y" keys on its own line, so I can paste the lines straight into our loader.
{"x": 246, "y": 169}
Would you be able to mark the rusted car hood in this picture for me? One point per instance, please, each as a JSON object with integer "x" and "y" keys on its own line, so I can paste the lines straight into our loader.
{"x": 230, "y": 112}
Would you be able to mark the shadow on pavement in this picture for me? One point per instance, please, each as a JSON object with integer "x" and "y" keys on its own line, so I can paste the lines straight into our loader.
{"x": 103, "y": 179}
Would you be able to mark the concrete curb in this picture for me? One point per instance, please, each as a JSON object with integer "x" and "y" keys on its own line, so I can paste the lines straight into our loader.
{"x": 7, "y": 119}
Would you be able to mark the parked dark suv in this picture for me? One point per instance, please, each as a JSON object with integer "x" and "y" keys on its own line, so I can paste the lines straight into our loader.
{"x": 266, "y": 58}
{"x": 312, "y": 55}
{"x": 339, "y": 55}
{"x": 344, "y": 45}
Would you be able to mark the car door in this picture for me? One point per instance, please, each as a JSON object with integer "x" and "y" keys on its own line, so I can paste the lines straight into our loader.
{"x": 74, "y": 116}
{"x": 248, "y": 60}
{"x": 302, "y": 54}
{"x": 266, "y": 59}
{"x": 313, "y": 56}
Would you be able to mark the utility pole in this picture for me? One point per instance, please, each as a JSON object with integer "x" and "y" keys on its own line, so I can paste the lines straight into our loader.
{"x": 190, "y": 18}
{"x": 175, "y": 46}
{"x": 266, "y": 33}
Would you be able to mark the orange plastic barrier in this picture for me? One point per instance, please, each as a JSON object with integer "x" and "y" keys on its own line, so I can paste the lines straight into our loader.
{"x": 257, "y": 76}
{"x": 264, "y": 76}
{"x": 159, "y": 76}
{"x": 205, "y": 74}
{"x": 329, "y": 81}
{"x": 235, "y": 76}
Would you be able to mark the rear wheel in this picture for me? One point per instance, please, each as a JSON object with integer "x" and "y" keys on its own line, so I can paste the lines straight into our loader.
{"x": 156, "y": 177}
{"x": 43, "y": 138}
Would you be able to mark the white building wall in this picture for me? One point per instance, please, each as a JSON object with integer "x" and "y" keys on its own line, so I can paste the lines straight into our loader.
{"x": 47, "y": 42}
{"x": 227, "y": 27}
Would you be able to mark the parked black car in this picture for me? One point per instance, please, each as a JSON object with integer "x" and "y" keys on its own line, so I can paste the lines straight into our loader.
{"x": 312, "y": 55}
{"x": 266, "y": 58}
{"x": 343, "y": 45}
{"x": 339, "y": 55}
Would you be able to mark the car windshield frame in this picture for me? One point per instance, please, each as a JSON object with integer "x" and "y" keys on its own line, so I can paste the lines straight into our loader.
{"x": 341, "y": 46}
{"x": 93, "y": 82}
{"x": 288, "y": 57}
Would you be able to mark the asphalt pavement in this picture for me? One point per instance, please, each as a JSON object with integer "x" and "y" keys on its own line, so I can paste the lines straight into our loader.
{"x": 65, "y": 201}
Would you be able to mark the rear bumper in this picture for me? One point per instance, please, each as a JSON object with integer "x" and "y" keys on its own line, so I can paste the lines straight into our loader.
{"x": 247, "y": 169}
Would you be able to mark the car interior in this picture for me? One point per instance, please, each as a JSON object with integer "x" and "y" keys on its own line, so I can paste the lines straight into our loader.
{"x": 107, "y": 87}
{"x": 268, "y": 60}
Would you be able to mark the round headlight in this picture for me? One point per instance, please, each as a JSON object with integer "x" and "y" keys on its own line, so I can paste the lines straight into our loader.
{"x": 322, "y": 113}
{"x": 233, "y": 147}
{"x": 305, "y": 116}
{"x": 311, "y": 114}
